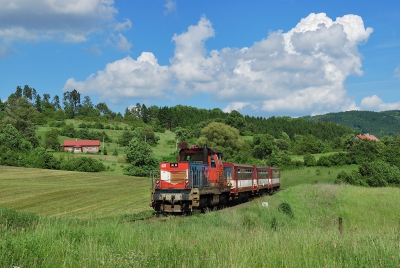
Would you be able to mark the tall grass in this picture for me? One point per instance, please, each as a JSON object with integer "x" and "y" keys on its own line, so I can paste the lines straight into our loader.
{"x": 249, "y": 235}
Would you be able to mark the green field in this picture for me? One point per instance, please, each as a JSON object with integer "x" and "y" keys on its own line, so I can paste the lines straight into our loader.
{"x": 71, "y": 219}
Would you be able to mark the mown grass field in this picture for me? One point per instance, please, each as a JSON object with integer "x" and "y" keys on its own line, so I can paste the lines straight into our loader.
{"x": 91, "y": 220}
{"x": 55, "y": 193}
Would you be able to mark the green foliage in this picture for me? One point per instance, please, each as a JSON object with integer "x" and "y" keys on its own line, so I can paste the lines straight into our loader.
{"x": 308, "y": 144}
{"x": 39, "y": 158}
{"x": 85, "y": 164}
{"x": 324, "y": 161}
{"x": 51, "y": 139}
{"x": 309, "y": 160}
{"x": 263, "y": 145}
{"x": 366, "y": 151}
{"x": 222, "y": 137}
{"x": 19, "y": 113}
{"x": 384, "y": 123}
{"x": 105, "y": 151}
{"x": 285, "y": 208}
{"x": 140, "y": 159}
{"x": 125, "y": 138}
{"x": 10, "y": 137}
{"x": 373, "y": 174}
{"x": 146, "y": 134}
{"x": 12, "y": 219}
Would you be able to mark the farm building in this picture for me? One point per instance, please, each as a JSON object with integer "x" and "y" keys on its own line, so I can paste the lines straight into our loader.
{"x": 81, "y": 146}
{"x": 366, "y": 137}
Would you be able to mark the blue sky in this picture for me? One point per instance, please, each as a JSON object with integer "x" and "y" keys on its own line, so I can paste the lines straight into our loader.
{"x": 261, "y": 58}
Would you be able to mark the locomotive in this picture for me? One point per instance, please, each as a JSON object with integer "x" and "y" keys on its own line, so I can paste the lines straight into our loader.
{"x": 200, "y": 179}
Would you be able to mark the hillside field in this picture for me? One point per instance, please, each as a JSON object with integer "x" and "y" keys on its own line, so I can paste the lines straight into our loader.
{"x": 72, "y": 219}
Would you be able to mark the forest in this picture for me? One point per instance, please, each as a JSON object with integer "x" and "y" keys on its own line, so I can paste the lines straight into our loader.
{"x": 286, "y": 142}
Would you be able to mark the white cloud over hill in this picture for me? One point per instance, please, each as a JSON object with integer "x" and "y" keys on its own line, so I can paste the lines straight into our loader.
{"x": 300, "y": 71}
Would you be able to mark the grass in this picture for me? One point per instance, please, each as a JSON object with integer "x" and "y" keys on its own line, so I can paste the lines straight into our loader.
{"x": 55, "y": 193}
{"x": 249, "y": 235}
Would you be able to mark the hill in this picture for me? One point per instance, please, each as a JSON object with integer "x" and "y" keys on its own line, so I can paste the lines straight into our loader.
{"x": 385, "y": 123}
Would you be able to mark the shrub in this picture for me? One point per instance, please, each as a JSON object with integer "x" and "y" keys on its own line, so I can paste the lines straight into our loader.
{"x": 309, "y": 160}
{"x": 286, "y": 209}
{"x": 324, "y": 161}
{"x": 85, "y": 164}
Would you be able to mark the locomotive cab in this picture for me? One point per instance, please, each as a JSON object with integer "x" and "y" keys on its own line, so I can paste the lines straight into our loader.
{"x": 195, "y": 181}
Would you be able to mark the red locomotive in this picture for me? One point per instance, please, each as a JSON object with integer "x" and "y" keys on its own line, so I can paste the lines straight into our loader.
{"x": 200, "y": 179}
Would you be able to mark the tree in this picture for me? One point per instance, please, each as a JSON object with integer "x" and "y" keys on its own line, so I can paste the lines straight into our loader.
{"x": 146, "y": 134}
{"x": 222, "y": 137}
{"x": 18, "y": 113}
{"x": 56, "y": 102}
{"x": 236, "y": 120}
{"x": 51, "y": 139}
{"x": 263, "y": 145}
{"x": 10, "y": 137}
{"x": 71, "y": 102}
{"x": 307, "y": 144}
{"x": 140, "y": 159}
{"x": 38, "y": 103}
{"x": 125, "y": 138}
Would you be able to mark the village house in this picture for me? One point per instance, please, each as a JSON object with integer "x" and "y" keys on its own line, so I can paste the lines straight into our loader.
{"x": 366, "y": 137}
{"x": 81, "y": 146}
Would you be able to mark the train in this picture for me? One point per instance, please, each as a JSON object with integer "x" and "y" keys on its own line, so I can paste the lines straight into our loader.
{"x": 201, "y": 180}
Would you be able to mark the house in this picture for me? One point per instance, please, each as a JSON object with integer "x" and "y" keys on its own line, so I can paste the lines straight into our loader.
{"x": 81, "y": 146}
{"x": 366, "y": 137}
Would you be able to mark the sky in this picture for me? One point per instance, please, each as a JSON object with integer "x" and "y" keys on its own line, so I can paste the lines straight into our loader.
{"x": 261, "y": 58}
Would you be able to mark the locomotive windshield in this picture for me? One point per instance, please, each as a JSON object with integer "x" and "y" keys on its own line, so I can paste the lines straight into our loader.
{"x": 190, "y": 157}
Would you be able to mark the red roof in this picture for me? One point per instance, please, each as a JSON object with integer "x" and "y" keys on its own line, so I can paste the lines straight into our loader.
{"x": 80, "y": 143}
{"x": 367, "y": 137}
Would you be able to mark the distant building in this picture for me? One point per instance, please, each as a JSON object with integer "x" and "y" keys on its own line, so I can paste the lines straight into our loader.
{"x": 81, "y": 146}
{"x": 366, "y": 137}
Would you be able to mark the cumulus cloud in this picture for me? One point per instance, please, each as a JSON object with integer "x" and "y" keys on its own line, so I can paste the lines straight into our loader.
{"x": 374, "y": 103}
{"x": 301, "y": 71}
{"x": 126, "y": 78}
{"x": 69, "y": 21}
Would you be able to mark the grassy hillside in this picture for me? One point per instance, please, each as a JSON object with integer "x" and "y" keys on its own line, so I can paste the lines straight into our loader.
{"x": 55, "y": 193}
{"x": 249, "y": 235}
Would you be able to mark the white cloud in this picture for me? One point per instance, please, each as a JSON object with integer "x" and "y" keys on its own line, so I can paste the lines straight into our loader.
{"x": 126, "y": 78}
{"x": 301, "y": 71}
{"x": 70, "y": 21}
{"x": 170, "y": 6}
{"x": 122, "y": 43}
{"x": 235, "y": 106}
{"x": 374, "y": 103}
{"x": 123, "y": 26}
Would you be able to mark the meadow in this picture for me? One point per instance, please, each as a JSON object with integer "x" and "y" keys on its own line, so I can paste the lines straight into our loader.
{"x": 72, "y": 219}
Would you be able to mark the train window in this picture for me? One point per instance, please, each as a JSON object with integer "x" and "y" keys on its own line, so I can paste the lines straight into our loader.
{"x": 212, "y": 162}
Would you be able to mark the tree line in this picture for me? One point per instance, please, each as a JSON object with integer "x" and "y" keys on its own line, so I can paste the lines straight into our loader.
{"x": 272, "y": 140}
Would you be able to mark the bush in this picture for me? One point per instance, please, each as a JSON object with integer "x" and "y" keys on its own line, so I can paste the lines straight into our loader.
{"x": 85, "y": 164}
{"x": 82, "y": 125}
{"x": 373, "y": 174}
{"x": 324, "y": 161}
{"x": 309, "y": 160}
